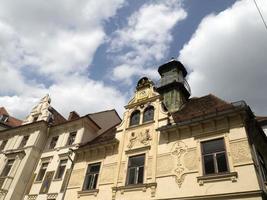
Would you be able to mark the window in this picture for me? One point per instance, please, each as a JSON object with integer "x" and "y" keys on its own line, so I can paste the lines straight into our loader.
{"x": 91, "y": 177}
{"x": 61, "y": 168}
{"x": 262, "y": 167}
{"x": 24, "y": 141}
{"x": 8, "y": 167}
{"x": 135, "y": 172}
{"x": 135, "y": 118}
{"x": 42, "y": 171}
{"x": 35, "y": 118}
{"x": 4, "y": 118}
{"x": 72, "y": 138}
{"x": 53, "y": 142}
{"x": 148, "y": 114}
{"x": 3, "y": 145}
{"x": 214, "y": 157}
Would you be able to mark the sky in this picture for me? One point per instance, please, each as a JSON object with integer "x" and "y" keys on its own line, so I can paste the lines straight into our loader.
{"x": 88, "y": 55}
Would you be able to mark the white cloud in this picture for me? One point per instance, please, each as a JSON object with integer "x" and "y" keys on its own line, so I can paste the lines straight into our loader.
{"x": 227, "y": 55}
{"x": 145, "y": 39}
{"x": 53, "y": 41}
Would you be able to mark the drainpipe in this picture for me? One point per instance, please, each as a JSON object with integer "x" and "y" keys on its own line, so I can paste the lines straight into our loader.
{"x": 71, "y": 151}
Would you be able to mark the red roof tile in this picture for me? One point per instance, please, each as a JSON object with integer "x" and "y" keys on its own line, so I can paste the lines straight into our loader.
{"x": 11, "y": 121}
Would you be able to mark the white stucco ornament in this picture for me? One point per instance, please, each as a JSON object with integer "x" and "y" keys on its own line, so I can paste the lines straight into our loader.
{"x": 40, "y": 111}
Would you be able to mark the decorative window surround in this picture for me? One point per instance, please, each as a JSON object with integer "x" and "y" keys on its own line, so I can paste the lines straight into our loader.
{"x": 88, "y": 192}
{"x": 138, "y": 149}
{"x": 52, "y": 196}
{"x": 217, "y": 177}
{"x": 135, "y": 187}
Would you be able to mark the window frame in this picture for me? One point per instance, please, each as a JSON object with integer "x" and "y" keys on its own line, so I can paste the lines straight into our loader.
{"x": 24, "y": 141}
{"x": 91, "y": 185}
{"x": 215, "y": 162}
{"x": 70, "y": 136}
{"x": 2, "y": 147}
{"x": 60, "y": 164}
{"x": 136, "y": 174}
{"x": 39, "y": 172}
{"x": 131, "y": 117}
{"x": 147, "y": 109}
{"x": 50, "y": 147}
{"x": 3, "y": 172}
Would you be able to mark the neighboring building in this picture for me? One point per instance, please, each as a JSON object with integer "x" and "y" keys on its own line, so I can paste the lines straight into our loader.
{"x": 7, "y": 121}
{"x": 263, "y": 123}
{"x": 170, "y": 146}
{"x": 36, "y": 157}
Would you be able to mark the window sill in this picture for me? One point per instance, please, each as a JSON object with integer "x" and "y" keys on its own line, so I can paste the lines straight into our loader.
{"x": 136, "y": 187}
{"x": 217, "y": 177}
{"x": 139, "y": 125}
{"x": 57, "y": 179}
{"x": 88, "y": 192}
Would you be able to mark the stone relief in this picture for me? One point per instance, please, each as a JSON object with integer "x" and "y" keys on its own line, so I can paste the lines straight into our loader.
{"x": 190, "y": 159}
{"x": 240, "y": 152}
{"x": 178, "y": 151}
{"x": 143, "y": 138}
{"x": 165, "y": 165}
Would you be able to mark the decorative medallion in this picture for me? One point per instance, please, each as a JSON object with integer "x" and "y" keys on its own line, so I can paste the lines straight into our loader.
{"x": 178, "y": 150}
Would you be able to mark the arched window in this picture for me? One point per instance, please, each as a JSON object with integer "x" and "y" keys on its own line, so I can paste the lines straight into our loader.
{"x": 135, "y": 118}
{"x": 148, "y": 114}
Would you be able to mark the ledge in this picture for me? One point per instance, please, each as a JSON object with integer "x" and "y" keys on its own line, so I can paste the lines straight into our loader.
{"x": 140, "y": 125}
{"x": 136, "y": 187}
{"x": 217, "y": 177}
{"x": 138, "y": 149}
{"x": 88, "y": 192}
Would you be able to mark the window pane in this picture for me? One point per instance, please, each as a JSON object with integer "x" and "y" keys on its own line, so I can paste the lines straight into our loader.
{"x": 213, "y": 146}
{"x": 94, "y": 168}
{"x": 53, "y": 142}
{"x": 148, "y": 114}
{"x": 87, "y": 182}
{"x": 140, "y": 175}
{"x": 136, "y": 161}
{"x": 209, "y": 164}
{"x": 7, "y": 168}
{"x": 221, "y": 162}
{"x": 135, "y": 118}
{"x": 95, "y": 182}
{"x": 42, "y": 172}
{"x": 131, "y": 176}
{"x": 3, "y": 144}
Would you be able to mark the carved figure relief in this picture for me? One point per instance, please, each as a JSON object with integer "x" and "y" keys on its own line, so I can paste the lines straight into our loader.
{"x": 178, "y": 150}
{"x": 143, "y": 138}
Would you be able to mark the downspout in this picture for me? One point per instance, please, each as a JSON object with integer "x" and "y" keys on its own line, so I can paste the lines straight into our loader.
{"x": 71, "y": 151}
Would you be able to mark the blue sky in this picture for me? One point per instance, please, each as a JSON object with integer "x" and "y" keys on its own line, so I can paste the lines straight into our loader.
{"x": 88, "y": 55}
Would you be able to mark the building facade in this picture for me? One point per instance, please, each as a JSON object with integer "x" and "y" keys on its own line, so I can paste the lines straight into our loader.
{"x": 170, "y": 146}
{"x": 37, "y": 156}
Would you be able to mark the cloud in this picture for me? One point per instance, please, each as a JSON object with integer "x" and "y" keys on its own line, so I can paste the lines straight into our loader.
{"x": 145, "y": 39}
{"x": 47, "y": 47}
{"x": 227, "y": 55}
